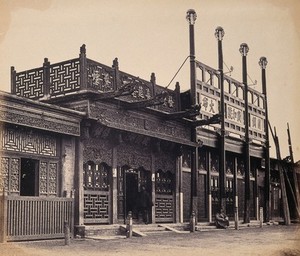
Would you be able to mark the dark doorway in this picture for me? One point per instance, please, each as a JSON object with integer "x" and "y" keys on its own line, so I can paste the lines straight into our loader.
{"x": 29, "y": 174}
{"x": 131, "y": 194}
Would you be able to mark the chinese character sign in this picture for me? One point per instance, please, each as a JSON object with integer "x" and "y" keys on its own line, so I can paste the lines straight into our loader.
{"x": 234, "y": 114}
{"x": 209, "y": 105}
{"x": 256, "y": 123}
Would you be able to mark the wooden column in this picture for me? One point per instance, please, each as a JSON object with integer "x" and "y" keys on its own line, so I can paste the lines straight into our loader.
{"x": 46, "y": 78}
{"x": 178, "y": 191}
{"x": 83, "y": 67}
{"x": 209, "y": 186}
{"x": 3, "y": 217}
{"x": 244, "y": 50}
{"x": 153, "y": 185}
{"x": 12, "y": 80}
{"x": 78, "y": 182}
{"x": 114, "y": 187}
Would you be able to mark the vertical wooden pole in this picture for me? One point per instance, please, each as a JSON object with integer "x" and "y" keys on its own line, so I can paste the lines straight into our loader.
{"x": 46, "y": 78}
{"x": 222, "y": 153}
{"x": 263, "y": 64}
{"x": 3, "y": 217}
{"x": 83, "y": 68}
{"x": 285, "y": 203}
{"x": 244, "y": 50}
{"x": 13, "y": 80}
{"x": 114, "y": 187}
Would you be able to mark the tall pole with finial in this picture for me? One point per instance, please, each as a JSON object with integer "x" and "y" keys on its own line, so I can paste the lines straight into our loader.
{"x": 244, "y": 49}
{"x": 191, "y": 17}
{"x": 263, "y": 64}
{"x": 219, "y": 34}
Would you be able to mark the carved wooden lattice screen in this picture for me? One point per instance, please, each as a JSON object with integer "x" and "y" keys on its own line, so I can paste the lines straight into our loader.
{"x": 96, "y": 193}
{"x": 38, "y": 145}
{"x": 65, "y": 77}
{"x": 164, "y": 201}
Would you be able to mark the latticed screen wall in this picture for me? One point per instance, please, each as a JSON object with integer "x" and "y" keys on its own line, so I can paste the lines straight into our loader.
{"x": 164, "y": 201}
{"x": 27, "y": 144}
{"x": 96, "y": 193}
{"x": 65, "y": 77}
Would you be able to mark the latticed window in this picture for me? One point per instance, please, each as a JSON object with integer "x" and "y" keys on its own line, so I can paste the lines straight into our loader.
{"x": 96, "y": 176}
{"x": 163, "y": 182}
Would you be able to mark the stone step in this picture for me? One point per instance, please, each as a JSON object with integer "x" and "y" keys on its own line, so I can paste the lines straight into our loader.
{"x": 102, "y": 230}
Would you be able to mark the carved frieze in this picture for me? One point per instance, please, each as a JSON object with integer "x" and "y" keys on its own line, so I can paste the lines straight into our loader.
{"x": 27, "y": 141}
{"x": 134, "y": 156}
{"x": 100, "y": 77}
{"x": 144, "y": 124}
{"x": 41, "y": 120}
{"x": 97, "y": 150}
{"x": 165, "y": 162}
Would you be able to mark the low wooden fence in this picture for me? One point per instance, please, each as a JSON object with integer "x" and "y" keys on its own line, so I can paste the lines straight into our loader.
{"x": 31, "y": 218}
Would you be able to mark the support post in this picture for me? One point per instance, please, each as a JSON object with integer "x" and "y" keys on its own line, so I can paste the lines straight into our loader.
{"x": 261, "y": 216}
{"x": 193, "y": 222}
{"x": 3, "y": 217}
{"x": 46, "y": 78}
{"x": 83, "y": 67}
{"x": 12, "y": 80}
{"x": 67, "y": 233}
{"x": 244, "y": 50}
{"x": 129, "y": 225}
{"x": 219, "y": 33}
{"x": 263, "y": 64}
{"x": 191, "y": 18}
{"x": 236, "y": 218}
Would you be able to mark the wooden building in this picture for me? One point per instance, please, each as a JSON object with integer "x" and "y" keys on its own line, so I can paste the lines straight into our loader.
{"x": 91, "y": 135}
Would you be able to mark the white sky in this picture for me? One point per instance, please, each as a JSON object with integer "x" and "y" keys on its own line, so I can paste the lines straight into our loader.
{"x": 152, "y": 36}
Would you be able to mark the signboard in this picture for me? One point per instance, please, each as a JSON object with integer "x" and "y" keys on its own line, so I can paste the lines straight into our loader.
{"x": 234, "y": 114}
{"x": 256, "y": 123}
{"x": 209, "y": 105}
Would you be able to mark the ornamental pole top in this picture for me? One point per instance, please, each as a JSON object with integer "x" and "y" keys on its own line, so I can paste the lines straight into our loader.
{"x": 219, "y": 33}
{"x": 191, "y": 16}
{"x": 244, "y": 49}
{"x": 263, "y": 62}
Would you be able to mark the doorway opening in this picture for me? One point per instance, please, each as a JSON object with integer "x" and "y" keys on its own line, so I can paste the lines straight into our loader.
{"x": 131, "y": 193}
{"x": 29, "y": 177}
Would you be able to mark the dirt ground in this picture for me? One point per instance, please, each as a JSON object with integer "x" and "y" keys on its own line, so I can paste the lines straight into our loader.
{"x": 271, "y": 240}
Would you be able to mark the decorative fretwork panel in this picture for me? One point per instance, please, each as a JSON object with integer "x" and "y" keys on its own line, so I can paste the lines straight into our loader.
{"x": 100, "y": 77}
{"x": 229, "y": 197}
{"x": 240, "y": 167}
{"x": 202, "y": 165}
{"x": 28, "y": 142}
{"x": 215, "y": 194}
{"x": 96, "y": 207}
{"x": 52, "y": 182}
{"x": 29, "y": 84}
{"x": 229, "y": 165}
{"x": 65, "y": 77}
{"x": 48, "y": 178}
{"x": 164, "y": 182}
{"x": 164, "y": 208}
{"x": 43, "y": 177}
{"x": 96, "y": 176}
{"x": 215, "y": 162}
{"x": 14, "y": 175}
{"x": 186, "y": 159}
{"x": 4, "y": 173}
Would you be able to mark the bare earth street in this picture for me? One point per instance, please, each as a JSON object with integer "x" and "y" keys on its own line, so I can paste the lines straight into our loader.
{"x": 270, "y": 240}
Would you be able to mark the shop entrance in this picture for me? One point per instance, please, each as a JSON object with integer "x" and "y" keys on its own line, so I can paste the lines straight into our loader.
{"x": 132, "y": 180}
{"x": 29, "y": 177}
{"x": 131, "y": 193}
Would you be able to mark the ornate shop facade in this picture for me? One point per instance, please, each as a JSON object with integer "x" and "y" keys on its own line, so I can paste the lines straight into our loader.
{"x": 102, "y": 133}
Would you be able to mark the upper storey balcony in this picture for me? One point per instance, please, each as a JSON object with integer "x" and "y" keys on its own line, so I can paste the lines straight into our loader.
{"x": 83, "y": 76}
{"x": 208, "y": 95}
